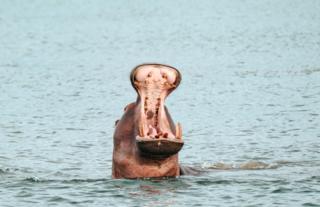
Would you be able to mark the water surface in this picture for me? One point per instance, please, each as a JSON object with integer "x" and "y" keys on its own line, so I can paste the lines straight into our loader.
{"x": 248, "y": 102}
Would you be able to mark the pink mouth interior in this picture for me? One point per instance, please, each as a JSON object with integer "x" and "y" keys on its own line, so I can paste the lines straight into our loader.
{"x": 153, "y": 84}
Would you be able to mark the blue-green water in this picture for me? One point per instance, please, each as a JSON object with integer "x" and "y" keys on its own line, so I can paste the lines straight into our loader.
{"x": 248, "y": 102}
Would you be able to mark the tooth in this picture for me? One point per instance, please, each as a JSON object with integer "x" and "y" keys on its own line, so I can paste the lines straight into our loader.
{"x": 178, "y": 131}
{"x": 141, "y": 132}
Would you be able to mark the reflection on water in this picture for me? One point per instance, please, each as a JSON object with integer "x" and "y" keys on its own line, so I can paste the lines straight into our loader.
{"x": 248, "y": 102}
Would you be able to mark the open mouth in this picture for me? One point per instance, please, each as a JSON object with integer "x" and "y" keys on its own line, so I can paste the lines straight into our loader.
{"x": 154, "y": 82}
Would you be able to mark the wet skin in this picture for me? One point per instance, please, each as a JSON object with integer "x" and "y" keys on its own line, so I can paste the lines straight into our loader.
{"x": 146, "y": 140}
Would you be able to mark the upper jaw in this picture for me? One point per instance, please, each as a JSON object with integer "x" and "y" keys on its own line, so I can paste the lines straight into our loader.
{"x": 173, "y": 84}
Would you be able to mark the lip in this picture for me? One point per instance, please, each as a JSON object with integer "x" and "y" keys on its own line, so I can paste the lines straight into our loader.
{"x": 158, "y": 148}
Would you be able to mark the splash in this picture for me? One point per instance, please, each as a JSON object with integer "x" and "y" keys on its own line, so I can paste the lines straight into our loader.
{"x": 251, "y": 165}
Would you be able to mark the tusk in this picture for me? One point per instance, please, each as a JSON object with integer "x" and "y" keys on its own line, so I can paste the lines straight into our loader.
{"x": 178, "y": 131}
{"x": 141, "y": 132}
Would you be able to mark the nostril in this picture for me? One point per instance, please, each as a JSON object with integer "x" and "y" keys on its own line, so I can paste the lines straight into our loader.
{"x": 164, "y": 76}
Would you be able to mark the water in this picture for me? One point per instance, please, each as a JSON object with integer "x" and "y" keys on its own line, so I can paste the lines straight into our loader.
{"x": 248, "y": 102}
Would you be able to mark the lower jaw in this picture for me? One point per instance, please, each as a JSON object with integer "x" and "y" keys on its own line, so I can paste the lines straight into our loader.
{"x": 162, "y": 142}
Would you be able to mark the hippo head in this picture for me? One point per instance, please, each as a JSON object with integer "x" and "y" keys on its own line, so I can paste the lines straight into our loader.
{"x": 156, "y": 134}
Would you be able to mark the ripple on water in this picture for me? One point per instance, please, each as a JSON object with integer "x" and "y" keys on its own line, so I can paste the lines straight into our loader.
{"x": 38, "y": 180}
{"x": 249, "y": 96}
{"x": 4, "y": 171}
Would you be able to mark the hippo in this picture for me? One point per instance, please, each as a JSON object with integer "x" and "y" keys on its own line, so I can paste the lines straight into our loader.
{"x": 146, "y": 140}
